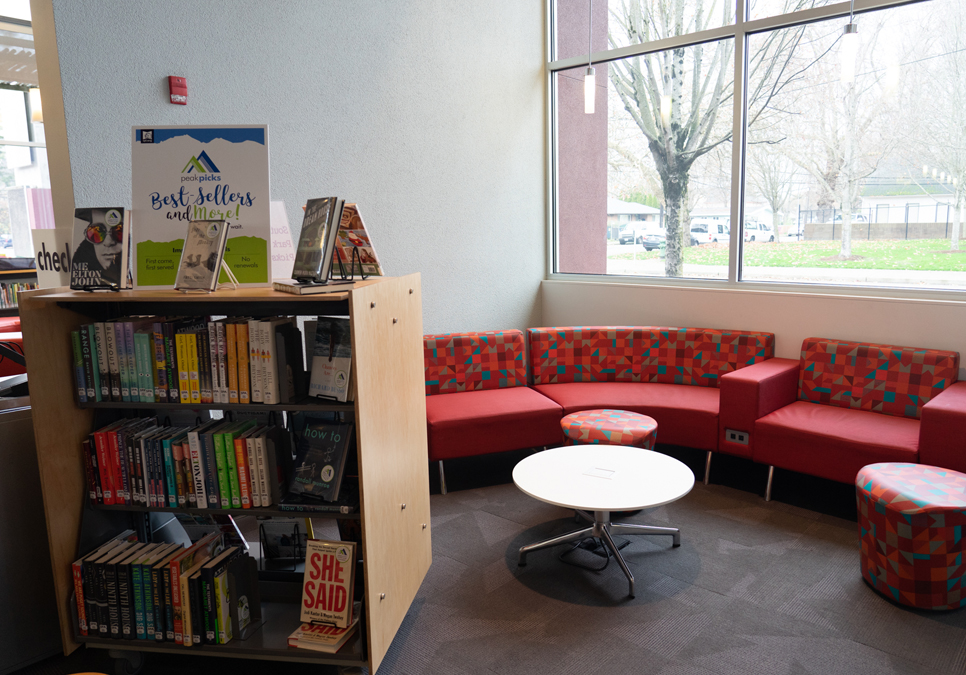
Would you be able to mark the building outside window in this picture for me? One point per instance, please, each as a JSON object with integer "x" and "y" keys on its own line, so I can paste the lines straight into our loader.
{"x": 847, "y": 151}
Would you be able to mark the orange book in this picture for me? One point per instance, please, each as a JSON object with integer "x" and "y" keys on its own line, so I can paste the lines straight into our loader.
{"x": 244, "y": 477}
{"x": 232, "y": 348}
{"x": 241, "y": 343}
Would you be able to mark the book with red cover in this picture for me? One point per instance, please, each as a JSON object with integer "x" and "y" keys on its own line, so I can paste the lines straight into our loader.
{"x": 354, "y": 254}
{"x": 327, "y": 584}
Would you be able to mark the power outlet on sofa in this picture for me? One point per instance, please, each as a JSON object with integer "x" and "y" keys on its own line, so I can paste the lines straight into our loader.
{"x": 740, "y": 437}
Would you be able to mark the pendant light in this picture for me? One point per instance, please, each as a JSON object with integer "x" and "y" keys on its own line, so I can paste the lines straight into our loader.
{"x": 849, "y": 48}
{"x": 590, "y": 89}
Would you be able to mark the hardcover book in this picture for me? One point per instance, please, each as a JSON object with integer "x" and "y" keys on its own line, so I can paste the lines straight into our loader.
{"x": 322, "y": 638}
{"x": 354, "y": 252}
{"x": 202, "y": 255}
{"x": 320, "y": 227}
{"x": 331, "y": 359}
{"x": 327, "y": 585}
{"x": 320, "y": 458}
{"x": 98, "y": 246}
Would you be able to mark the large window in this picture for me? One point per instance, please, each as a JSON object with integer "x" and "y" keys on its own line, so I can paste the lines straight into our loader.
{"x": 780, "y": 148}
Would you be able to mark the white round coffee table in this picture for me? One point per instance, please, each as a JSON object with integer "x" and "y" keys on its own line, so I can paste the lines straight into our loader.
{"x": 598, "y": 479}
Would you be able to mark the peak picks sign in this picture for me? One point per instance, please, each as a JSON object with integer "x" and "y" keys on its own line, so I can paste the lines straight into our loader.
{"x": 180, "y": 174}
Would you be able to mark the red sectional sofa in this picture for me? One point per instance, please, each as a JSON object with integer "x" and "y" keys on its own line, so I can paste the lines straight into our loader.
{"x": 10, "y": 334}
{"x": 670, "y": 374}
{"x": 844, "y": 405}
{"x": 477, "y": 398}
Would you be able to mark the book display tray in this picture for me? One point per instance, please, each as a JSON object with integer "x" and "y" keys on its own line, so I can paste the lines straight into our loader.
{"x": 390, "y": 414}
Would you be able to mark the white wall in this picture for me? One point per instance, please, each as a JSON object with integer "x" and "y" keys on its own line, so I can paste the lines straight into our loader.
{"x": 791, "y": 317}
{"x": 429, "y": 114}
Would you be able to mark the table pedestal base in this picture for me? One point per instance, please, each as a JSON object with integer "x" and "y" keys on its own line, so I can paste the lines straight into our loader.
{"x": 602, "y": 528}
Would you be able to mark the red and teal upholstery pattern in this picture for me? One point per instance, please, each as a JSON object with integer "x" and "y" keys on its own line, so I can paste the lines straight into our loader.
{"x": 695, "y": 356}
{"x": 609, "y": 427}
{"x": 474, "y": 361}
{"x": 878, "y": 378}
{"x": 912, "y": 519}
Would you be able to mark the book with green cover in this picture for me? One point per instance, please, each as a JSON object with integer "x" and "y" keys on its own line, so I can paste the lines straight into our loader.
{"x": 144, "y": 360}
{"x": 170, "y": 468}
{"x": 228, "y": 441}
{"x": 95, "y": 365}
{"x": 221, "y": 465}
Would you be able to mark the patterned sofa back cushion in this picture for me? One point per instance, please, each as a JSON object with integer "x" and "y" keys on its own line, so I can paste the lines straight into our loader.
{"x": 471, "y": 361}
{"x": 880, "y": 378}
{"x": 696, "y": 356}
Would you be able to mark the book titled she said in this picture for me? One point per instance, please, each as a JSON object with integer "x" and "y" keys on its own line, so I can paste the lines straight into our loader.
{"x": 185, "y": 173}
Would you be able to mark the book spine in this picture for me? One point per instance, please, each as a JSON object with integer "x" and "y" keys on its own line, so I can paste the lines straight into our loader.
{"x": 147, "y": 601}
{"x": 221, "y": 608}
{"x": 180, "y": 482}
{"x": 101, "y": 606}
{"x": 113, "y": 608}
{"x": 160, "y": 477}
{"x": 104, "y": 464}
{"x": 184, "y": 372}
{"x": 89, "y": 471}
{"x": 124, "y": 602}
{"x": 264, "y": 487}
{"x": 197, "y": 469}
{"x": 143, "y": 356}
{"x": 121, "y": 349}
{"x": 255, "y": 361}
{"x": 221, "y": 464}
{"x": 234, "y": 479}
{"x": 103, "y": 363}
{"x": 122, "y": 486}
{"x": 209, "y": 616}
{"x": 175, "y": 593}
{"x": 194, "y": 381}
{"x": 169, "y": 591}
{"x": 95, "y": 366}
{"x": 77, "y": 573}
{"x": 251, "y": 469}
{"x": 212, "y": 486}
{"x": 270, "y": 389}
{"x": 222, "y": 361}
{"x": 212, "y": 351}
{"x": 204, "y": 365}
{"x": 160, "y": 370}
{"x": 170, "y": 482}
{"x": 197, "y": 607}
{"x": 113, "y": 361}
{"x": 171, "y": 362}
{"x": 128, "y": 366}
{"x": 186, "y": 627}
{"x": 90, "y": 597}
{"x": 139, "y": 495}
{"x": 244, "y": 368}
{"x": 157, "y": 601}
{"x": 85, "y": 342}
{"x": 79, "y": 378}
{"x": 95, "y": 469}
{"x": 231, "y": 364}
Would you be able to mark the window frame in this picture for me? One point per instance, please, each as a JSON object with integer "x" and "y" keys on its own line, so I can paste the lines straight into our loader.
{"x": 740, "y": 32}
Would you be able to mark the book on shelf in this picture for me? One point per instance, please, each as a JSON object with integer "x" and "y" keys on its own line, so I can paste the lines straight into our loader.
{"x": 354, "y": 253}
{"x": 320, "y": 458}
{"x": 331, "y": 358}
{"x": 322, "y": 637}
{"x": 348, "y": 501}
{"x": 99, "y": 259}
{"x": 328, "y": 582}
{"x": 82, "y": 574}
{"x": 296, "y": 287}
{"x": 316, "y": 243}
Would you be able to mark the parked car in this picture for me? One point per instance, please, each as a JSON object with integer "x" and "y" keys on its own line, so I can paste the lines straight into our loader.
{"x": 651, "y": 236}
{"x": 758, "y": 232}
{"x": 709, "y": 231}
{"x": 627, "y": 235}
{"x": 856, "y": 218}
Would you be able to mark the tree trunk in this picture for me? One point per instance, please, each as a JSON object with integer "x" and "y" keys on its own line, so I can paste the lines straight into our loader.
{"x": 957, "y": 216}
{"x": 675, "y": 197}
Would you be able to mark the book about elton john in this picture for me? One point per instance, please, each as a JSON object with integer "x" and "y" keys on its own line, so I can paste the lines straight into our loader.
{"x": 327, "y": 585}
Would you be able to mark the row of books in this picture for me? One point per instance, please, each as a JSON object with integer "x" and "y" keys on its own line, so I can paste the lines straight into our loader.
{"x": 216, "y": 465}
{"x": 202, "y": 594}
{"x": 194, "y": 360}
{"x": 9, "y": 293}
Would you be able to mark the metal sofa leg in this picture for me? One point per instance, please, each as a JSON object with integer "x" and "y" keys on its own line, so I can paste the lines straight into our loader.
{"x": 442, "y": 478}
{"x": 707, "y": 467}
{"x": 771, "y": 474}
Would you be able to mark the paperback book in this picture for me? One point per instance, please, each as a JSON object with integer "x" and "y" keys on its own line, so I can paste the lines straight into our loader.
{"x": 331, "y": 359}
{"x": 354, "y": 252}
{"x": 327, "y": 585}
{"x": 320, "y": 459}
{"x": 99, "y": 260}
{"x": 202, "y": 255}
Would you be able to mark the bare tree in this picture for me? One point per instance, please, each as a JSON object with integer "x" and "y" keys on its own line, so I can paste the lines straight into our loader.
{"x": 681, "y": 98}
{"x": 771, "y": 174}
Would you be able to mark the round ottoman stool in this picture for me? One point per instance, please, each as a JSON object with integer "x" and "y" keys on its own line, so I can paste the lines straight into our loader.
{"x": 610, "y": 427}
{"x": 912, "y": 522}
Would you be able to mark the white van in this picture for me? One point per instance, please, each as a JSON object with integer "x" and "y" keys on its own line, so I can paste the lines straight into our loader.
{"x": 758, "y": 232}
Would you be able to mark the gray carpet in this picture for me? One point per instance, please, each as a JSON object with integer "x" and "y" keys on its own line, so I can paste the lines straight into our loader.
{"x": 755, "y": 587}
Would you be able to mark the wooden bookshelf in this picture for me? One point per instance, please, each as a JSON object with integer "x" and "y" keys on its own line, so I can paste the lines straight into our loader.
{"x": 390, "y": 414}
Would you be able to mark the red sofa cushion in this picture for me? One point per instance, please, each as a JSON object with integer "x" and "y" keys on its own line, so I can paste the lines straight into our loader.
{"x": 479, "y": 422}
{"x": 474, "y": 361}
{"x": 879, "y": 378}
{"x": 833, "y": 442}
{"x": 695, "y": 356}
{"x": 15, "y": 342}
{"x": 685, "y": 415}
{"x": 10, "y": 324}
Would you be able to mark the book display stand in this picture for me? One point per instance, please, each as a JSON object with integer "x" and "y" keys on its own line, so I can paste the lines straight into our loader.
{"x": 393, "y": 514}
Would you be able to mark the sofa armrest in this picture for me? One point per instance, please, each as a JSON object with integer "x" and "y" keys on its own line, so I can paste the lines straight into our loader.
{"x": 750, "y": 393}
{"x": 942, "y": 429}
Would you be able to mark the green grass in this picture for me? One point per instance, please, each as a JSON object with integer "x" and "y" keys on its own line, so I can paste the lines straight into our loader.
{"x": 913, "y": 254}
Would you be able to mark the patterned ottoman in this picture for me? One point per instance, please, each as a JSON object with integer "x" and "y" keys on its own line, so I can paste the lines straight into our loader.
{"x": 911, "y": 525}
{"x": 610, "y": 427}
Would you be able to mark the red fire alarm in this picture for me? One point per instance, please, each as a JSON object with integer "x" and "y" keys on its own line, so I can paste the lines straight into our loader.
{"x": 178, "y": 86}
